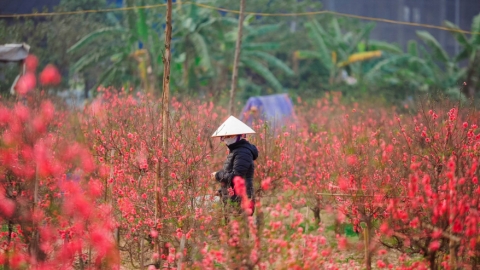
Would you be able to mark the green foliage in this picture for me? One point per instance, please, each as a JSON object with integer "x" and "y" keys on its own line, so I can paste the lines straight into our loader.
{"x": 318, "y": 35}
{"x": 50, "y": 37}
{"x": 475, "y": 39}
{"x": 95, "y": 35}
{"x": 384, "y": 46}
{"x": 438, "y": 52}
{"x": 198, "y": 31}
{"x": 119, "y": 56}
{"x": 300, "y": 55}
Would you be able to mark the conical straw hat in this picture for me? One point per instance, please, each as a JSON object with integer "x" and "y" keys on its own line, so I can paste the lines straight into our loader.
{"x": 232, "y": 126}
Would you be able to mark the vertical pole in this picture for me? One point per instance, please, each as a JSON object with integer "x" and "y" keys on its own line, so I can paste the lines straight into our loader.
{"x": 162, "y": 171}
{"x": 166, "y": 93}
{"x": 236, "y": 60}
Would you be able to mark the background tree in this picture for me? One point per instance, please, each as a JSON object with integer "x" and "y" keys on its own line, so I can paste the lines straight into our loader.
{"x": 130, "y": 47}
{"x": 471, "y": 53}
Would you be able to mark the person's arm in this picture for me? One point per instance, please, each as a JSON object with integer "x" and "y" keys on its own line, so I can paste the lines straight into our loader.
{"x": 241, "y": 163}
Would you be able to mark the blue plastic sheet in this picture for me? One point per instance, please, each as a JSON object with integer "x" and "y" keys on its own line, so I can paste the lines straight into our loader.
{"x": 277, "y": 110}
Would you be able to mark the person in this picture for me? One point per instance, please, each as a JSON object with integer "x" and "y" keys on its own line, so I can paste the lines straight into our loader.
{"x": 239, "y": 162}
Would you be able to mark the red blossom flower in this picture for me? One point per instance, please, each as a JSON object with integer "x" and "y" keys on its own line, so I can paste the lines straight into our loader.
{"x": 381, "y": 264}
{"x": 434, "y": 245}
{"x": 26, "y": 83}
{"x": 31, "y": 63}
{"x": 50, "y": 75}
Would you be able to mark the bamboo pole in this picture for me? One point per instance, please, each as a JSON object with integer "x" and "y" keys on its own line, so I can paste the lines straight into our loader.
{"x": 162, "y": 171}
{"x": 236, "y": 60}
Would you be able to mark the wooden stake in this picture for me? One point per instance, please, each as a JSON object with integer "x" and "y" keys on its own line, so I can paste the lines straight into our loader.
{"x": 236, "y": 60}
{"x": 162, "y": 171}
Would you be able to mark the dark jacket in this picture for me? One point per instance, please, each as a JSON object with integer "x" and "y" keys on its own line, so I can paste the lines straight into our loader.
{"x": 239, "y": 163}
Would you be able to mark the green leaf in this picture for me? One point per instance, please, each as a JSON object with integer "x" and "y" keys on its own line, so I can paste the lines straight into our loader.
{"x": 264, "y": 72}
{"x": 119, "y": 57}
{"x": 141, "y": 23}
{"x": 413, "y": 48}
{"x": 460, "y": 37}
{"x": 180, "y": 58}
{"x": 384, "y": 46}
{"x": 422, "y": 67}
{"x": 89, "y": 60}
{"x": 131, "y": 18}
{"x": 462, "y": 55}
{"x": 363, "y": 34}
{"x": 189, "y": 25}
{"x": 475, "y": 39}
{"x": 305, "y": 54}
{"x": 202, "y": 51}
{"x": 459, "y": 75}
{"x": 415, "y": 64}
{"x": 319, "y": 43}
{"x": 193, "y": 14}
{"x": 392, "y": 61}
{"x": 94, "y": 35}
{"x": 271, "y": 60}
{"x": 265, "y": 46}
{"x": 206, "y": 23}
{"x": 315, "y": 25}
{"x": 262, "y": 30}
{"x": 336, "y": 29}
{"x": 438, "y": 52}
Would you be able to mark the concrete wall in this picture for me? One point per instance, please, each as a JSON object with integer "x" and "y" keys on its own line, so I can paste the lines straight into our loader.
{"x": 433, "y": 12}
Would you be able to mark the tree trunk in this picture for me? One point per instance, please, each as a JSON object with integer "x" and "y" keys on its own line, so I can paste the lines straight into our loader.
{"x": 474, "y": 263}
{"x": 316, "y": 214}
{"x": 88, "y": 84}
{"x": 432, "y": 259}
{"x": 367, "y": 240}
{"x": 238, "y": 46}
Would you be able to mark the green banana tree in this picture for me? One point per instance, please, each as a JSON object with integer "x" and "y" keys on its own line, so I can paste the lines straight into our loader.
{"x": 471, "y": 52}
{"x": 447, "y": 73}
{"x": 428, "y": 68}
{"x": 336, "y": 49}
{"x": 402, "y": 73}
{"x": 197, "y": 31}
{"x": 423, "y": 69}
{"x": 256, "y": 59}
{"x": 120, "y": 56}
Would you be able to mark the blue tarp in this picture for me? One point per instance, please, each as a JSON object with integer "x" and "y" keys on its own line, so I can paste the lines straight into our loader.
{"x": 277, "y": 110}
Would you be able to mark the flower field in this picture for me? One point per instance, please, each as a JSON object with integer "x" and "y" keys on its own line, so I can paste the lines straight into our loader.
{"x": 347, "y": 186}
